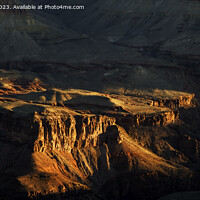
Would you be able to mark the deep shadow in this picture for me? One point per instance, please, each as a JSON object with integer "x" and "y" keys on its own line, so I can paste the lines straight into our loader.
{"x": 28, "y": 109}
{"x": 91, "y": 103}
{"x": 16, "y": 160}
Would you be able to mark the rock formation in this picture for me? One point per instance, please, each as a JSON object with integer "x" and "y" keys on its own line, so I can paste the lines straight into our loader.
{"x": 77, "y": 148}
{"x": 102, "y": 103}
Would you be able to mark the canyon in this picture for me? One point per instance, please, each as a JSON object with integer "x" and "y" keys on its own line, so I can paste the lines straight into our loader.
{"x": 101, "y": 103}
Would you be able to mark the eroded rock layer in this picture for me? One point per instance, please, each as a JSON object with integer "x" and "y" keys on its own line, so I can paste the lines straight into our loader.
{"x": 74, "y": 143}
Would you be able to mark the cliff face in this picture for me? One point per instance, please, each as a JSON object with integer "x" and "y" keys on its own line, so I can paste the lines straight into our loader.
{"x": 101, "y": 154}
{"x": 157, "y": 119}
{"x": 65, "y": 132}
{"x": 174, "y": 104}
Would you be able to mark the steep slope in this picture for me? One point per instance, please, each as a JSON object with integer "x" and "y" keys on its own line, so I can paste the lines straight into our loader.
{"x": 156, "y": 29}
{"x": 40, "y": 36}
{"x": 166, "y": 29}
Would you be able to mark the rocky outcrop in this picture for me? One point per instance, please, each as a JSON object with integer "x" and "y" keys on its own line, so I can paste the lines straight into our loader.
{"x": 156, "y": 119}
{"x": 182, "y": 101}
{"x": 65, "y": 132}
{"x": 53, "y": 128}
{"x": 68, "y": 150}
